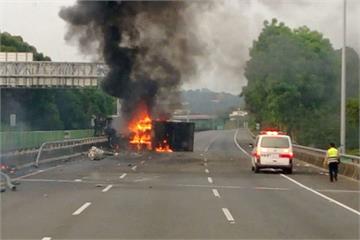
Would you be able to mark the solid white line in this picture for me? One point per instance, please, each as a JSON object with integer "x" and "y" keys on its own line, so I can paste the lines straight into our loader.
{"x": 338, "y": 191}
{"x": 134, "y": 168}
{"x": 238, "y": 145}
{"x": 211, "y": 142}
{"x": 207, "y": 170}
{"x": 46, "y": 238}
{"x": 107, "y": 188}
{"x": 271, "y": 188}
{"x": 321, "y": 195}
{"x": 37, "y": 172}
{"x": 123, "y": 176}
{"x": 210, "y": 180}
{"x": 216, "y": 193}
{"x": 82, "y": 208}
{"x": 228, "y": 215}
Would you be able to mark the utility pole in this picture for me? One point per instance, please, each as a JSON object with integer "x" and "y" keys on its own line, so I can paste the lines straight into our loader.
{"x": 343, "y": 85}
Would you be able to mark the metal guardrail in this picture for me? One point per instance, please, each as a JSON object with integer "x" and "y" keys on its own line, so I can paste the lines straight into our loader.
{"x": 66, "y": 144}
{"x": 354, "y": 159}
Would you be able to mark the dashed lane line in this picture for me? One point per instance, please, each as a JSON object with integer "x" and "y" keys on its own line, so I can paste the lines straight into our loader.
{"x": 107, "y": 188}
{"x": 134, "y": 168}
{"x": 207, "y": 170}
{"x": 216, "y": 193}
{"x": 302, "y": 185}
{"x": 123, "y": 176}
{"x": 210, "y": 180}
{"x": 228, "y": 215}
{"x": 81, "y": 209}
{"x": 46, "y": 238}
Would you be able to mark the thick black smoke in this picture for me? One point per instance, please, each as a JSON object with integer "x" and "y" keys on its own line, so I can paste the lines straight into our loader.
{"x": 146, "y": 44}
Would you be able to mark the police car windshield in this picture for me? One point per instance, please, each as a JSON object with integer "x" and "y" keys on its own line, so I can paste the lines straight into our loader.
{"x": 275, "y": 142}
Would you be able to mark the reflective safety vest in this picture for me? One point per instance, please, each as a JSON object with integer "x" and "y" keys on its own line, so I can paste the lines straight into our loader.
{"x": 332, "y": 154}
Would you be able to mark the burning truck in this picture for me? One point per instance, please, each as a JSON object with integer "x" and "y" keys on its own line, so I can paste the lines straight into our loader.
{"x": 150, "y": 51}
{"x": 145, "y": 133}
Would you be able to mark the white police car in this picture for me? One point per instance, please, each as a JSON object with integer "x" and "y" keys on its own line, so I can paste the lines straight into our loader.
{"x": 273, "y": 149}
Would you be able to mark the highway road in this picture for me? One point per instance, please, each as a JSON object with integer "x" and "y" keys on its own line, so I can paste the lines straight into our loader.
{"x": 210, "y": 193}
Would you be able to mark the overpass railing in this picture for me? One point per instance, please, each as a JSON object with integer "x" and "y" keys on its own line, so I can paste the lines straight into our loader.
{"x": 43, "y": 74}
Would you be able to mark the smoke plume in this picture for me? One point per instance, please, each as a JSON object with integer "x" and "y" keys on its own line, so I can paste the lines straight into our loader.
{"x": 146, "y": 45}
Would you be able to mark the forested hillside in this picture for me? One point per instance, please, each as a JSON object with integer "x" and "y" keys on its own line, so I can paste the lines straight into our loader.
{"x": 204, "y": 101}
{"x": 294, "y": 84}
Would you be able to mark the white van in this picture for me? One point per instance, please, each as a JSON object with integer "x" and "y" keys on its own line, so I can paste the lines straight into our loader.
{"x": 274, "y": 150}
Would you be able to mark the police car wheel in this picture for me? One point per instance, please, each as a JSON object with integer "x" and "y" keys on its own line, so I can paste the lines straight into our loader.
{"x": 256, "y": 169}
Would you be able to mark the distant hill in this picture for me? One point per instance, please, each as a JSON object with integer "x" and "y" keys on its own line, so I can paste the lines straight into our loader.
{"x": 204, "y": 101}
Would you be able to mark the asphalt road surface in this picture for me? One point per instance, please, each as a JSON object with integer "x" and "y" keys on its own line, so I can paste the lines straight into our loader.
{"x": 210, "y": 193}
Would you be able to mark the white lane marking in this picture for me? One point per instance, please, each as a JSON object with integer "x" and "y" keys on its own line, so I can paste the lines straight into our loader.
{"x": 302, "y": 185}
{"x": 107, "y": 188}
{"x": 37, "y": 172}
{"x": 321, "y": 195}
{"x": 228, "y": 215}
{"x": 228, "y": 187}
{"x": 205, "y": 159}
{"x": 207, "y": 170}
{"x": 205, "y": 164}
{"x": 271, "y": 188}
{"x": 338, "y": 191}
{"x": 210, "y": 180}
{"x": 216, "y": 193}
{"x": 134, "y": 168}
{"x": 123, "y": 176}
{"x": 46, "y": 238}
{"x": 82, "y": 208}
{"x": 238, "y": 145}
{"x": 78, "y": 180}
{"x": 211, "y": 142}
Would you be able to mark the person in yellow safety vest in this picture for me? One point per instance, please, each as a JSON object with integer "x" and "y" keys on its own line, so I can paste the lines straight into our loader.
{"x": 332, "y": 159}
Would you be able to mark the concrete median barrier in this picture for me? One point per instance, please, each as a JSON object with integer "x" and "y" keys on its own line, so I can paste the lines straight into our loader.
{"x": 317, "y": 158}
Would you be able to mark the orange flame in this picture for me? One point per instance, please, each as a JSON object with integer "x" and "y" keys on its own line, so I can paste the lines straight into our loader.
{"x": 164, "y": 147}
{"x": 140, "y": 127}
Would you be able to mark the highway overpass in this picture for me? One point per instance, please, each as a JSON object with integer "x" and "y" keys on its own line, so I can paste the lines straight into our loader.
{"x": 51, "y": 74}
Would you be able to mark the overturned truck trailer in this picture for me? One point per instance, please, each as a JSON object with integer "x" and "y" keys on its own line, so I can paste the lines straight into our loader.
{"x": 178, "y": 135}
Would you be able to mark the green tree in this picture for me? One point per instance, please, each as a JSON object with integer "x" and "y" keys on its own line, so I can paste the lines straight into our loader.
{"x": 292, "y": 81}
{"x": 10, "y": 43}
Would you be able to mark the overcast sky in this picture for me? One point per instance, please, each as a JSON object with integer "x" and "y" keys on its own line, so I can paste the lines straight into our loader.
{"x": 228, "y": 28}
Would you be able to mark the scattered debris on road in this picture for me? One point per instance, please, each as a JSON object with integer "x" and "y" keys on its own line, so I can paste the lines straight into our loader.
{"x": 9, "y": 184}
{"x": 96, "y": 153}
